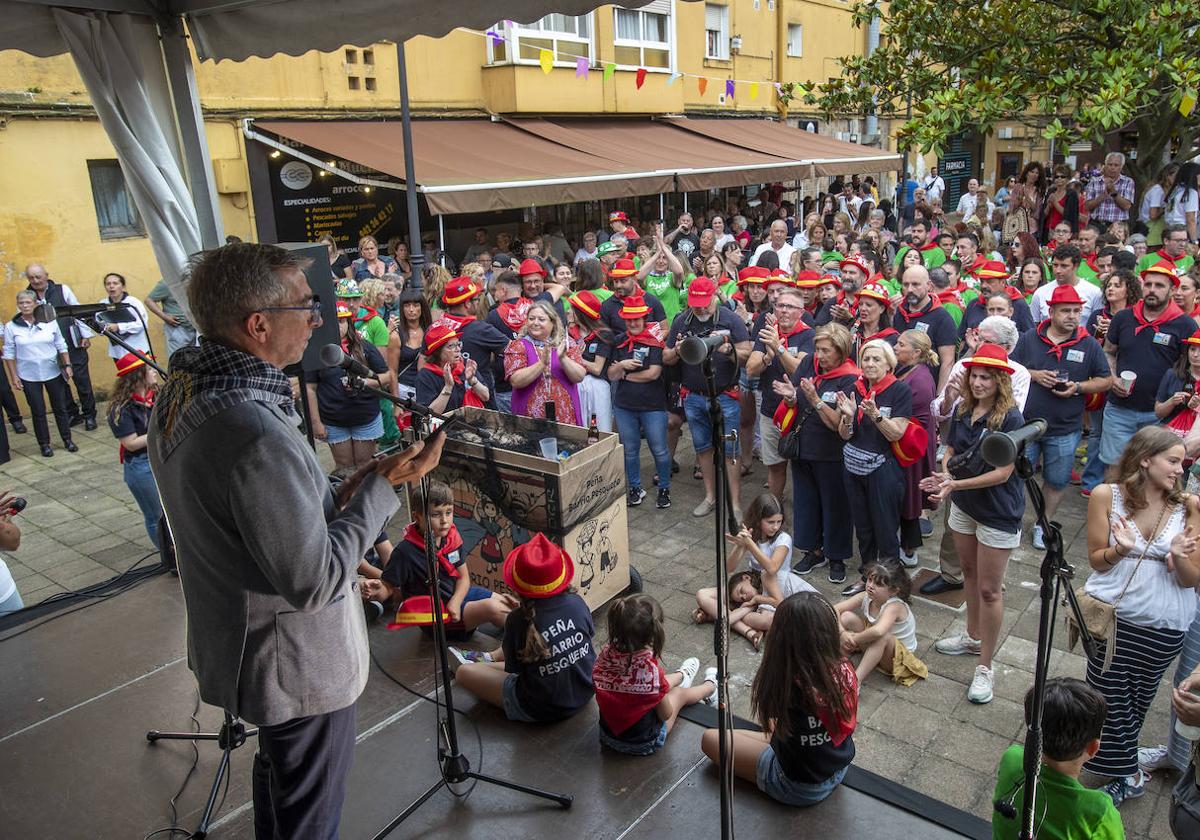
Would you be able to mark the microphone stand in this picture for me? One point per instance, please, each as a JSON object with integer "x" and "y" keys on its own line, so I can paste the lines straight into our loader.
{"x": 1056, "y": 576}
{"x": 95, "y": 326}
{"x": 454, "y": 767}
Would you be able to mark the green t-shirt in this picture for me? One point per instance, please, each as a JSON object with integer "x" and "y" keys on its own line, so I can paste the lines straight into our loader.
{"x": 933, "y": 257}
{"x": 662, "y": 286}
{"x": 373, "y": 330}
{"x": 1182, "y": 265}
{"x": 1086, "y": 272}
{"x": 161, "y": 294}
{"x": 1071, "y": 811}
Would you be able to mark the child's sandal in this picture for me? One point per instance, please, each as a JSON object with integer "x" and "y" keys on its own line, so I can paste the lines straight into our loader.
{"x": 754, "y": 637}
{"x": 699, "y": 616}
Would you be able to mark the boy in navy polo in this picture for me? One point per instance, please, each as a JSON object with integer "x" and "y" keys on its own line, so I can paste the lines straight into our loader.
{"x": 1065, "y": 364}
{"x": 1142, "y": 344}
{"x": 920, "y": 311}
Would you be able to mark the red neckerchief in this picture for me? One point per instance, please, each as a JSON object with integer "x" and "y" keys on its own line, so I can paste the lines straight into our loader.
{"x": 573, "y": 331}
{"x": 1195, "y": 313}
{"x": 1057, "y": 349}
{"x": 861, "y": 386}
{"x": 459, "y": 321}
{"x": 928, "y": 246}
{"x": 1164, "y": 255}
{"x": 796, "y": 330}
{"x": 452, "y": 543}
{"x": 844, "y": 369}
{"x": 513, "y": 312}
{"x": 146, "y": 400}
{"x": 366, "y": 313}
{"x": 840, "y": 300}
{"x": 934, "y": 303}
{"x": 839, "y": 730}
{"x": 882, "y": 334}
{"x": 948, "y": 296}
{"x": 645, "y": 337}
{"x": 1172, "y": 310}
{"x": 456, "y": 372}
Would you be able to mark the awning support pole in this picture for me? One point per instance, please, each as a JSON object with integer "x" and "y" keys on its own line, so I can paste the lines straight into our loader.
{"x": 685, "y": 201}
{"x": 441, "y": 240}
{"x": 662, "y": 209}
{"x": 416, "y": 253}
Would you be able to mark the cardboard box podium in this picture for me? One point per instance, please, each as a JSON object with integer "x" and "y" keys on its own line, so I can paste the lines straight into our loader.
{"x": 502, "y": 497}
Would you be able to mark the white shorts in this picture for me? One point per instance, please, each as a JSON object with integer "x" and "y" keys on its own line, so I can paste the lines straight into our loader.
{"x": 960, "y": 523}
{"x": 768, "y": 434}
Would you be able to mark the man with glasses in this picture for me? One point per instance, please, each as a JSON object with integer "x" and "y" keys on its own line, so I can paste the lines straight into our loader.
{"x": 1173, "y": 250}
{"x": 1110, "y": 194}
{"x": 267, "y": 558}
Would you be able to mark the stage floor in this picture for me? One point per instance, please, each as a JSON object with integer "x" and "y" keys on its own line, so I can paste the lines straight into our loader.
{"x": 80, "y": 692}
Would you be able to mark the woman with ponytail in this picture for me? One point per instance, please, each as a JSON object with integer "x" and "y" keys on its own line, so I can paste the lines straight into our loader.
{"x": 543, "y": 671}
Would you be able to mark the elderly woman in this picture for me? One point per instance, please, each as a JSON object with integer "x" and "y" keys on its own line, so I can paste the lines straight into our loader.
{"x": 132, "y": 332}
{"x": 544, "y": 367}
{"x": 870, "y": 422}
{"x": 370, "y": 262}
{"x": 915, "y": 358}
{"x": 447, "y": 381}
{"x": 36, "y": 360}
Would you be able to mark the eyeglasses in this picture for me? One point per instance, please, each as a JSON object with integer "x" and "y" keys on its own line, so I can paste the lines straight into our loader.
{"x": 786, "y": 306}
{"x": 313, "y": 308}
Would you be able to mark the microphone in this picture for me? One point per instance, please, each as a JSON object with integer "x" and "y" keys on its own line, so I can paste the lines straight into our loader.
{"x": 15, "y": 506}
{"x": 694, "y": 349}
{"x": 1001, "y": 448}
{"x": 334, "y": 356}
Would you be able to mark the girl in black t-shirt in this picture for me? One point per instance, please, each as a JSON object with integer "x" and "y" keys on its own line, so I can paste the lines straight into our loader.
{"x": 640, "y": 401}
{"x": 805, "y": 696}
{"x": 596, "y": 342}
{"x": 128, "y": 417}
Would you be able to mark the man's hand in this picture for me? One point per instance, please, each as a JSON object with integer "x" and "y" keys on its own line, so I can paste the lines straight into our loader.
{"x": 413, "y": 463}
{"x": 372, "y": 589}
{"x": 171, "y": 320}
{"x": 85, "y": 343}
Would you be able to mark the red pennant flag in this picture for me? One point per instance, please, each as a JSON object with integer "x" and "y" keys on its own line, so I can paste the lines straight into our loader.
{"x": 703, "y": 84}
{"x": 641, "y": 77}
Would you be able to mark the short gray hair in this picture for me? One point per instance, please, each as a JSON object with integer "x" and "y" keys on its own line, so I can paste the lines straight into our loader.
{"x": 227, "y": 284}
{"x": 1118, "y": 156}
{"x": 27, "y": 293}
{"x": 1003, "y": 328}
{"x": 889, "y": 353}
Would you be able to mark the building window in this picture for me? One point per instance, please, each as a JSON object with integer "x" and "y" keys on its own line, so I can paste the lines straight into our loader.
{"x": 352, "y": 56}
{"x": 369, "y": 83}
{"x": 115, "y": 211}
{"x": 716, "y": 31}
{"x": 352, "y": 82}
{"x": 568, "y": 37}
{"x": 368, "y": 56}
{"x": 643, "y": 37}
{"x": 795, "y": 40}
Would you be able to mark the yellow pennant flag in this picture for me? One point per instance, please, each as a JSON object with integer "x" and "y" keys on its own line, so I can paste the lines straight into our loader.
{"x": 1188, "y": 103}
{"x": 546, "y": 59}
{"x": 754, "y": 90}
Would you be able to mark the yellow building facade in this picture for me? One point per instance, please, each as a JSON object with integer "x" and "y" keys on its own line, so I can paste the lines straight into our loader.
{"x": 56, "y": 174}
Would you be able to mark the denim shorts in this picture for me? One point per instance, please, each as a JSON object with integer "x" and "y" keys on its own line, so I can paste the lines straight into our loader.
{"x": 1120, "y": 425}
{"x": 774, "y": 783}
{"x": 365, "y": 432}
{"x": 649, "y": 747}
{"x": 695, "y": 408}
{"x": 1058, "y": 457}
{"x": 512, "y": 706}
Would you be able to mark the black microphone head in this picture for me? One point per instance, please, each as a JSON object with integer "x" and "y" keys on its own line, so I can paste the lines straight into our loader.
{"x": 693, "y": 350}
{"x": 17, "y": 505}
{"x": 1005, "y": 809}
{"x": 332, "y": 355}
{"x": 998, "y": 450}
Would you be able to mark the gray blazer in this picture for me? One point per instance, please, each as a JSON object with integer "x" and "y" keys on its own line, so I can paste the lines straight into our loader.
{"x": 275, "y": 626}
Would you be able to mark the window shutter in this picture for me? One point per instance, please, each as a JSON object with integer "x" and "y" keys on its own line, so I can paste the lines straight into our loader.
{"x": 714, "y": 16}
{"x": 661, "y": 7}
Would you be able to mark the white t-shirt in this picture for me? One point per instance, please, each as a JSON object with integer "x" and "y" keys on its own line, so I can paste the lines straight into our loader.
{"x": 1178, "y": 207}
{"x": 7, "y": 585}
{"x": 1093, "y": 299}
{"x": 934, "y": 187}
{"x": 782, "y": 540}
{"x": 1154, "y": 198}
{"x": 785, "y": 254}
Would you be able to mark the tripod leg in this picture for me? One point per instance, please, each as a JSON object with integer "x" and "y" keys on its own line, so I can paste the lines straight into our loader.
{"x": 407, "y": 812}
{"x": 562, "y": 799}
{"x": 154, "y": 735}
{"x": 222, "y": 768}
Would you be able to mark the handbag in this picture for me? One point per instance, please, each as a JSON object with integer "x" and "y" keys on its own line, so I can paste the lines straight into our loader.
{"x": 1017, "y": 221}
{"x": 789, "y": 444}
{"x": 1099, "y": 616}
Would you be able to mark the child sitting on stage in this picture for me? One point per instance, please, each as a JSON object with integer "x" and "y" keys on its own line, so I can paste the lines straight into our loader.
{"x": 406, "y": 574}
{"x": 879, "y": 624}
{"x": 544, "y": 670}
{"x": 805, "y": 696}
{"x": 638, "y": 701}
{"x": 1072, "y": 717}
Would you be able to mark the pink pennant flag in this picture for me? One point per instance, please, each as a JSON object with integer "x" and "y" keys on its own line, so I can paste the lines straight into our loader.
{"x": 581, "y": 68}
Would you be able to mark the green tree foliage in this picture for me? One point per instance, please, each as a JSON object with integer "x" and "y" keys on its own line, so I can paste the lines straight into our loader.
{"x": 1075, "y": 69}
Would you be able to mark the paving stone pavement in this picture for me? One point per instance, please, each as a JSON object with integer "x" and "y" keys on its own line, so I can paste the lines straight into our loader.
{"x": 82, "y": 526}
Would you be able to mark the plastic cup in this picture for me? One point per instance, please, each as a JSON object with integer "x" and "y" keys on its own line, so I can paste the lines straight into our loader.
{"x": 549, "y": 448}
{"x": 1128, "y": 377}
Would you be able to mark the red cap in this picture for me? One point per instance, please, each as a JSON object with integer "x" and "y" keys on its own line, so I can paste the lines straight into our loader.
{"x": 780, "y": 275}
{"x": 752, "y": 275}
{"x": 436, "y": 336}
{"x": 808, "y": 280}
{"x": 586, "y": 301}
{"x": 460, "y": 290}
{"x": 912, "y": 445}
{"x": 875, "y": 292}
{"x": 701, "y": 292}
{"x": 538, "y": 569}
{"x": 634, "y": 307}
{"x": 618, "y": 216}
{"x": 128, "y": 363}
{"x": 990, "y": 270}
{"x": 416, "y": 611}
{"x": 531, "y": 266}
{"x": 623, "y": 268}
{"x": 1065, "y": 294}
{"x": 1194, "y": 338}
{"x": 1163, "y": 267}
{"x": 829, "y": 280}
{"x": 858, "y": 262}
{"x": 990, "y": 356}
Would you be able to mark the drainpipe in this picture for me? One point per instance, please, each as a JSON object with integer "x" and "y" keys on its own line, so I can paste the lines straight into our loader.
{"x": 872, "y": 45}
{"x": 780, "y": 53}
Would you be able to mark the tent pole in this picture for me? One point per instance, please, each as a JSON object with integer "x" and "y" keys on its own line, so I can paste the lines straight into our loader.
{"x": 662, "y": 209}
{"x": 185, "y": 98}
{"x": 415, "y": 252}
{"x": 685, "y": 201}
{"x": 441, "y": 240}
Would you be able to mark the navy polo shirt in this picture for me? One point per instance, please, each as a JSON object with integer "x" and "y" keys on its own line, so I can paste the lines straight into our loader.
{"x": 797, "y": 343}
{"x": 998, "y": 507}
{"x": 934, "y": 321}
{"x": 610, "y": 311}
{"x": 894, "y": 403}
{"x": 598, "y": 346}
{"x": 1082, "y": 357}
{"x": 725, "y": 369}
{"x": 407, "y": 569}
{"x": 976, "y": 311}
{"x": 1149, "y": 354}
{"x": 339, "y": 405}
{"x": 639, "y": 396}
{"x": 1170, "y": 386}
{"x": 817, "y": 441}
{"x": 825, "y": 313}
{"x": 493, "y": 318}
{"x": 485, "y": 344}
{"x": 133, "y": 420}
{"x": 557, "y": 304}
{"x": 430, "y": 384}
{"x": 556, "y": 687}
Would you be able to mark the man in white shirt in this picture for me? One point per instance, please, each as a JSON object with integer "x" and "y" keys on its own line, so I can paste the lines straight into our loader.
{"x": 1065, "y": 264}
{"x": 966, "y": 204}
{"x": 848, "y": 202}
{"x": 934, "y": 185}
{"x": 78, "y": 338}
{"x": 777, "y": 243}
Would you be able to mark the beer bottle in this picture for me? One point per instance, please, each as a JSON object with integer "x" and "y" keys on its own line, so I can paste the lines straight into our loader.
{"x": 593, "y": 434}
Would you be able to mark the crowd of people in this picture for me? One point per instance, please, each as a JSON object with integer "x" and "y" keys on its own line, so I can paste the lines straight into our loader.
{"x": 865, "y": 358}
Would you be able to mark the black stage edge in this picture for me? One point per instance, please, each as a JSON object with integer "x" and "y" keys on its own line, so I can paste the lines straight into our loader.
{"x": 874, "y": 785}
{"x": 97, "y": 592}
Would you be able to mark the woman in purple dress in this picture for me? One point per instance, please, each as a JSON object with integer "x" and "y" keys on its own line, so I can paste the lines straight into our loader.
{"x": 914, "y": 355}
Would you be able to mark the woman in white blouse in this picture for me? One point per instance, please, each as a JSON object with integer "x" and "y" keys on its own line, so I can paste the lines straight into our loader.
{"x": 133, "y": 332}
{"x": 35, "y": 357}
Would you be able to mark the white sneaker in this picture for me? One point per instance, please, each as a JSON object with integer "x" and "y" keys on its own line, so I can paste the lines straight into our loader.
{"x": 1154, "y": 758}
{"x": 1039, "y": 541}
{"x": 959, "y": 645}
{"x": 909, "y": 561}
{"x": 981, "y": 686}
{"x": 710, "y": 676}
{"x": 688, "y": 669}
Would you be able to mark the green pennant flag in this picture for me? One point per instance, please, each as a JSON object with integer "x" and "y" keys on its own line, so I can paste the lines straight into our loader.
{"x": 609, "y": 69}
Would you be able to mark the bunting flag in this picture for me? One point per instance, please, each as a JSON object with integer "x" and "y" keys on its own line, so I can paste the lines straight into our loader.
{"x": 581, "y": 68}
{"x": 609, "y": 69}
{"x": 546, "y": 59}
{"x": 673, "y": 78}
{"x": 641, "y": 77}
{"x": 702, "y": 83}
{"x": 754, "y": 90}
{"x": 496, "y": 37}
{"x": 729, "y": 88}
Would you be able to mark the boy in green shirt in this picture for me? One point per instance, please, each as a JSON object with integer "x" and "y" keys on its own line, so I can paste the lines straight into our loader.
{"x": 1072, "y": 717}
{"x": 662, "y": 275}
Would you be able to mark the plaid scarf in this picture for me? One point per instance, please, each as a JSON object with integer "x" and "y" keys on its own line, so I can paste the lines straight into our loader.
{"x": 206, "y": 380}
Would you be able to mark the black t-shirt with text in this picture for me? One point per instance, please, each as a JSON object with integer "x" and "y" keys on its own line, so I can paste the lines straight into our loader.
{"x": 556, "y": 687}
